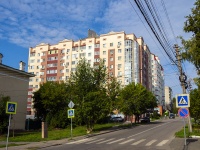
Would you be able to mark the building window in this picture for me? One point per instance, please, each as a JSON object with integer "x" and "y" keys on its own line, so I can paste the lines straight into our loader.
{"x": 111, "y": 66}
{"x": 32, "y": 54}
{"x": 89, "y": 47}
{"x": 73, "y": 69}
{"x": 119, "y": 57}
{"x": 89, "y": 54}
{"x": 104, "y": 59}
{"x": 111, "y": 51}
{"x": 119, "y": 51}
{"x": 111, "y": 44}
{"x": 104, "y": 52}
{"x": 32, "y": 61}
{"x": 119, "y": 65}
{"x": 73, "y": 62}
{"x": 111, "y": 58}
{"x": 96, "y": 53}
{"x": 104, "y": 45}
{"x": 119, "y": 43}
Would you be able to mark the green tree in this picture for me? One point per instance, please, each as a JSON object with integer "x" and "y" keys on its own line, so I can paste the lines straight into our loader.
{"x": 195, "y": 104}
{"x": 113, "y": 89}
{"x": 192, "y": 46}
{"x": 51, "y": 100}
{"x": 175, "y": 110}
{"x": 135, "y": 99}
{"x": 91, "y": 102}
{"x": 3, "y": 116}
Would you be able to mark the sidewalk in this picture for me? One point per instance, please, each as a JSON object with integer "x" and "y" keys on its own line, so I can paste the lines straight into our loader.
{"x": 176, "y": 144}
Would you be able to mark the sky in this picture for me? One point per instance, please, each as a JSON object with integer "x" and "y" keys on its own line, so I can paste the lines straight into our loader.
{"x": 27, "y": 23}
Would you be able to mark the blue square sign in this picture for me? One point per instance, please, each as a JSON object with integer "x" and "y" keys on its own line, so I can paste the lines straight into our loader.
{"x": 11, "y": 107}
{"x": 182, "y": 100}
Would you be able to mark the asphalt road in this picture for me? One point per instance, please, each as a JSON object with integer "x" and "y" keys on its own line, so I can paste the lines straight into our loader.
{"x": 153, "y": 136}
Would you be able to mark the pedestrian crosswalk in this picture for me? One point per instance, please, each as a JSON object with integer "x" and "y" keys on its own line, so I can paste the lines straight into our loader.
{"x": 121, "y": 141}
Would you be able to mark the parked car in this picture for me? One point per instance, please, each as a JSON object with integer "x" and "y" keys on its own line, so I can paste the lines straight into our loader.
{"x": 117, "y": 119}
{"x": 145, "y": 120}
{"x": 171, "y": 116}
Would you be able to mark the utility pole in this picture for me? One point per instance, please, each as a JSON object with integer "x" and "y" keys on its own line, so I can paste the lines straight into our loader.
{"x": 182, "y": 79}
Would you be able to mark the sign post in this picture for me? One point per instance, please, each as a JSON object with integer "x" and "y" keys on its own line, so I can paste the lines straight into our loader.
{"x": 11, "y": 108}
{"x": 71, "y": 113}
{"x": 183, "y": 113}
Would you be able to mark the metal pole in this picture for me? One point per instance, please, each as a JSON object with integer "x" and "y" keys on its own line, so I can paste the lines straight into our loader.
{"x": 8, "y": 132}
{"x": 184, "y": 131}
{"x": 71, "y": 128}
{"x": 182, "y": 80}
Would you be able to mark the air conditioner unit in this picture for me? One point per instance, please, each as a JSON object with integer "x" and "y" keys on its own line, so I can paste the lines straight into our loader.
{"x": 118, "y": 46}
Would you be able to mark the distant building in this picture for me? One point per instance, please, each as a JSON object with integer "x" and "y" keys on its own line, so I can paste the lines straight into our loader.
{"x": 168, "y": 98}
{"x": 14, "y": 83}
{"x": 158, "y": 80}
{"x": 126, "y": 57}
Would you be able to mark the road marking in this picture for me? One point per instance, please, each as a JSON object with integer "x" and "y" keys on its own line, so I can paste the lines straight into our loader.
{"x": 80, "y": 141}
{"x": 162, "y": 143}
{"x": 115, "y": 141}
{"x": 138, "y": 142}
{"x": 106, "y": 141}
{"x": 151, "y": 142}
{"x": 148, "y": 130}
{"x": 127, "y": 141}
{"x": 95, "y": 141}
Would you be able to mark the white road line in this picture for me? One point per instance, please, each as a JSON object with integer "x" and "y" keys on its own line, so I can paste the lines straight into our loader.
{"x": 116, "y": 141}
{"x": 148, "y": 129}
{"x": 162, "y": 143}
{"x": 151, "y": 142}
{"x": 106, "y": 141}
{"x": 94, "y": 141}
{"x": 138, "y": 142}
{"x": 79, "y": 141}
{"x": 127, "y": 141}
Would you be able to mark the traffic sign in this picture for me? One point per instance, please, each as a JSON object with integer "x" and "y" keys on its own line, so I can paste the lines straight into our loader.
{"x": 71, "y": 104}
{"x": 183, "y": 112}
{"x": 182, "y": 100}
{"x": 70, "y": 113}
{"x": 11, "y": 108}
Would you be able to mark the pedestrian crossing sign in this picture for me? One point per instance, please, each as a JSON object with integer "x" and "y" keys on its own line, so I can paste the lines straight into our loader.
{"x": 70, "y": 113}
{"x": 11, "y": 107}
{"x": 182, "y": 100}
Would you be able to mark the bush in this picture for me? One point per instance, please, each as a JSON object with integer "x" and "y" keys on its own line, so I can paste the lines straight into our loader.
{"x": 4, "y": 118}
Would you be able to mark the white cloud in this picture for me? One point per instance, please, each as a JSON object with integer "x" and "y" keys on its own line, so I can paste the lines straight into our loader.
{"x": 30, "y": 22}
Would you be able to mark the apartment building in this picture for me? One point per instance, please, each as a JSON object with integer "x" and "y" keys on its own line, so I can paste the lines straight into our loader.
{"x": 125, "y": 55}
{"x": 157, "y": 80}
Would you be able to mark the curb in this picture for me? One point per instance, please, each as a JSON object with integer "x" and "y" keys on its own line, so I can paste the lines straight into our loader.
{"x": 194, "y": 136}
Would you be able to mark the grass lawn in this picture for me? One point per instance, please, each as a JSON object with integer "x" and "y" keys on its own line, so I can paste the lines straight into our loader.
{"x": 56, "y": 134}
{"x": 195, "y": 131}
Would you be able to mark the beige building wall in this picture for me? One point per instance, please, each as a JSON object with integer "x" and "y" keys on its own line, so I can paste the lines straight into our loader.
{"x": 14, "y": 83}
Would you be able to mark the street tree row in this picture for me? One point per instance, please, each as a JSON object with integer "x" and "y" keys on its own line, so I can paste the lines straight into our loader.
{"x": 95, "y": 95}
